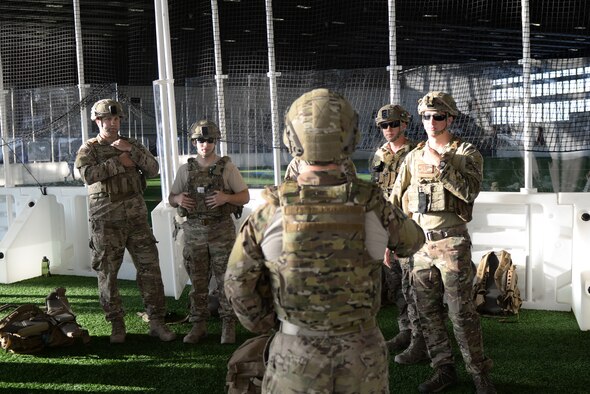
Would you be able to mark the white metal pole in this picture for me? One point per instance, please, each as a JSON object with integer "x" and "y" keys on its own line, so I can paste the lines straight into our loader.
{"x": 526, "y": 99}
{"x": 8, "y": 182}
{"x": 394, "y": 86}
{"x": 219, "y": 78}
{"x": 164, "y": 101}
{"x": 272, "y": 78}
{"x": 80, "y": 62}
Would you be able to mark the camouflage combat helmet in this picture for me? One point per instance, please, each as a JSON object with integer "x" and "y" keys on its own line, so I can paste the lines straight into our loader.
{"x": 205, "y": 129}
{"x": 438, "y": 101}
{"x": 390, "y": 113}
{"x": 321, "y": 126}
{"x": 106, "y": 107}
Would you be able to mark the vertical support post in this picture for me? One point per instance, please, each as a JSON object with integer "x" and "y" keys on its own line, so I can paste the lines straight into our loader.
{"x": 394, "y": 86}
{"x": 82, "y": 87}
{"x": 272, "y": 78}
{"x": 219, "y": 78}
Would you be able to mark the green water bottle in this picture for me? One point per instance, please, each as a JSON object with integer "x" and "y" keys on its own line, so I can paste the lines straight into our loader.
{"x": 45, "y": 267}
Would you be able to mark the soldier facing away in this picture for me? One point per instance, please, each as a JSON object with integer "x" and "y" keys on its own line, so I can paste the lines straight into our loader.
{"x": 393, "y": 121}
{"x": 114, "y": 168}
{"x": 442, "y": 177}
{"x": 207, "y": 190}
{"x": 309, "y": 260}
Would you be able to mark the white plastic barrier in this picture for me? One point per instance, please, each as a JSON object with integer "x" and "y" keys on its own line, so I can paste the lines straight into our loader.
{"x": 38, "y": 231}
{"x": 580, "y": 278}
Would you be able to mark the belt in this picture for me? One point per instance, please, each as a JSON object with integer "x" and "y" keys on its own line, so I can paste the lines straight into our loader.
{"x": 437, "y": 235}
{"x": 205, "y": 221}
{"x": 292, "y": 329}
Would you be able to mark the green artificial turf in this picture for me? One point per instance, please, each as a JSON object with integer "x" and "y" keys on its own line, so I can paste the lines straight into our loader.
{"x": 540, "y": 352}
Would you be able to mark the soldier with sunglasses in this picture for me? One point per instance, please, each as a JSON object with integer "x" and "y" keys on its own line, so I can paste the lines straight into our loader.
{"x": 440, "y": 180}
{"x": 206, "y": 191}
{"x": 393, "y": 120}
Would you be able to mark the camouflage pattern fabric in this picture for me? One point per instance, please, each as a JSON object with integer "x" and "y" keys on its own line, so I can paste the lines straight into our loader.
{"x": 205, "y": 252}
{"x": 294, "y": 168}
{"x": 385, "y": 167}
{"x": 386, "y": 164}
{"x": 118, "y": 218}
{"x": 207, "y": 244}
{"x": 443, "y": 267}
{"x": 305, "y": 363}
{"x": 353, "y": 363}
{"x": 108, "y": 242}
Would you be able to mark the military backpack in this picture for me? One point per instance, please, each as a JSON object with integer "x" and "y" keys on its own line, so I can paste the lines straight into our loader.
{"x": 246, "y": 366}
{"x": 495, "y": 287}
{"x": 29, "y": 329}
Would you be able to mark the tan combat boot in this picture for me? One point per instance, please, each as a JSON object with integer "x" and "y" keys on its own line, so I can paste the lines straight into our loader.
{"x": 198, "y": 331}
{"x": 444, "y": 376}
{"x": 228, "y": 331}
{"x": 161, "y": 330}
{"x": 118, "y": 331}
{"x": 399, "y": 342}
{"x": 415, "y": 353}
{"x": 483, "y": 384}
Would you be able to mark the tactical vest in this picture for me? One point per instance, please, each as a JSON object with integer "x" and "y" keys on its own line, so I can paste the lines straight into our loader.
{"x": 202, "y": 181}
{"x": 495, "y": 288}
{"x": 428, "y": 194}
{"x": 118, "y": 187}
{"x": 385, "y": 171}
{"x": 324, "y": 278}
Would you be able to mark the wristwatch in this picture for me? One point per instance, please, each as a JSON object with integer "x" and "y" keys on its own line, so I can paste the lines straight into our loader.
{"x": 442, "y": 165}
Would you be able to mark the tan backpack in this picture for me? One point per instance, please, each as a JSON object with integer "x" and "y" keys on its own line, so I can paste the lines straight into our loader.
{"x": 29, "y": 329}
{"x": 246, "y": 366}
{"x": 495, "y": 288}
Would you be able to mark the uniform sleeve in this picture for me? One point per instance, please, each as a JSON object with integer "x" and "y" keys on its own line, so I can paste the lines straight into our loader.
{"x": 247, "y": 280}
{"x": 180, "y": 180}
{"x": 235, "y": 181}
{"x": 402, "y": 182}
{"x": 144, "y": 160}
{"x": 463, "y": 174}
{"x": 91, "y": 170}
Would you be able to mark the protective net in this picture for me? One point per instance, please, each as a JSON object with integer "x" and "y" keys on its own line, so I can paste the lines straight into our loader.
{"x": 470, "y": 49}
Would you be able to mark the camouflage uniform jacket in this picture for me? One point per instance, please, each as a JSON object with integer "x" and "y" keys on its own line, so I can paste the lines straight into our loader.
{"x": 115, "y": 192}
{"x": 259, "y": 246}
{"x": 294, "y": 168}
{"x": 386, "y": 165}
{"x": 440, "y": 198}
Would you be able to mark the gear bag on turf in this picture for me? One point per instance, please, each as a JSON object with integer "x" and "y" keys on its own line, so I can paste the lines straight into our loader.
{"x": 29, "y": 329}
{"x": 246, "y": 366}
{"x": 495, "y": 288}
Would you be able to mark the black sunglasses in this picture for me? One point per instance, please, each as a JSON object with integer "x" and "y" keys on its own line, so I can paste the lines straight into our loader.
{"x": 203, "y": 140}
{"x": 393, "y": 124}
{"x": 436, "y": 117}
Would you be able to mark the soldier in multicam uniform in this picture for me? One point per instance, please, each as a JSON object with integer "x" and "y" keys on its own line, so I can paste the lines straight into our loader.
{"x": 207, "y": 190}
{"x": 393, "y": 121}
{"x": 310, "y": 259}
{"x": 115, "y": 168}
{"x": 294, "y": 168}
{"x": 442, "y": 177}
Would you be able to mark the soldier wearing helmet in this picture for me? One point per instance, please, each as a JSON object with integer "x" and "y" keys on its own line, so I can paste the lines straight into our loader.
{"x": 206, "y": 191}
{"x": 114, "y": 168}
{"x": 393, "y": 120}
{"x": 441, "y": 179}
{"x": 308, "y": 261}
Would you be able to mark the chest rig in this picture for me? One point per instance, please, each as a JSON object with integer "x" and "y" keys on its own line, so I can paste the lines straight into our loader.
{"x": 117, "y": 187}
{"x": 428, "y": 194}
{"x": 385, "y": 170}
{"x": 324, "y": 278}
{"x": 202, "y": 182}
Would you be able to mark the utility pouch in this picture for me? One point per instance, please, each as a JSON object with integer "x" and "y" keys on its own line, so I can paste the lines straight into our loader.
{"x": 422, "y": 202}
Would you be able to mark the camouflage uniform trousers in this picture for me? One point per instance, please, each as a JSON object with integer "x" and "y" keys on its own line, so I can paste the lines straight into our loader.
{"x": 393, "y": 292}
{"x": 443, "y": 268}
{"x": 108, "y": 242}
{"x": 408, "y": 291}
{"x": 206, "y": 252}
{"x": 351, "y": 363}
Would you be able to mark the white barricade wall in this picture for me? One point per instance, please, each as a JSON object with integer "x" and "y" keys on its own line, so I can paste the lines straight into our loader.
{"x": 547, "y": 235}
